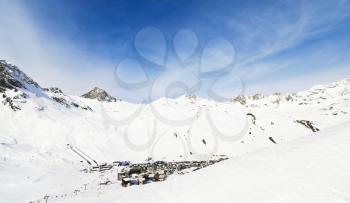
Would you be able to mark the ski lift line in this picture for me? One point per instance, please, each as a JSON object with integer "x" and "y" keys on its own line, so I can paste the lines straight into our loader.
{"x": 81, "y": 156}
{"x": 86, "y": 155}
{"x": 71, "y": 147}
{"x": 82, "y": 153}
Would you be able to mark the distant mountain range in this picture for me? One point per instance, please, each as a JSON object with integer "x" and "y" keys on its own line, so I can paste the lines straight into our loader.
{"x": 37, "y": 124}
{"x": 205, "y": 123}
{"x": 13, "y": 79}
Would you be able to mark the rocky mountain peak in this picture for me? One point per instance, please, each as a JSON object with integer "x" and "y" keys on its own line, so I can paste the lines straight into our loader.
{"x": 257, "y": 96}
{"x": 241, "y": 99}
{"x": 15, "y": 86}
{"x": 11, "y": 77}
{"x": 99, "y": 94}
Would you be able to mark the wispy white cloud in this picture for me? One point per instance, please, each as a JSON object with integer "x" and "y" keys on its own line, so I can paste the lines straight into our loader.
{"x": 274, "y": 44}
{"x": 267, "y": 31}
{"x": 50, "y": 62}
{"x": 263, "y": 39}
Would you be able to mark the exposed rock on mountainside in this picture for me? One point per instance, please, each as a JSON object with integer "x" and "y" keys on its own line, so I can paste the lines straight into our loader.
{"x": 99, "y": 94}
{"x": 241, "y": 99}
{"x": 16, "y": 88}
{"x": 258, "y": 96}
{"x": 57, "y": 95}
{"x": 308, "y": 124}
{"x": 253, "y": 117}
{"x": 55, "y": 90}
{"x": 12, "y": 78}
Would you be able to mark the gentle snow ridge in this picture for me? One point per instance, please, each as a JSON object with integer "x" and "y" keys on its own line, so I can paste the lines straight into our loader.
{"x": 298, "y": 165}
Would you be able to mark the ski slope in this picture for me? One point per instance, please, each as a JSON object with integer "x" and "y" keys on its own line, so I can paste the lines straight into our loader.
{"x": 299, "y": 165}
{"x": 314, "y": 168}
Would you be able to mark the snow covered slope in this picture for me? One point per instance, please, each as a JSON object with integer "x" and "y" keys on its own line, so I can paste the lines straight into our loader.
{"x": 37, "y": 124}
{"x": 314, "y": 168}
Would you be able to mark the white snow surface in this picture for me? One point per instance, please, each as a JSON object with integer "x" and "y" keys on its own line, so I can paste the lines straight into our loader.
{"x": 303, "y": 166}
{"x": 314, "y": 168}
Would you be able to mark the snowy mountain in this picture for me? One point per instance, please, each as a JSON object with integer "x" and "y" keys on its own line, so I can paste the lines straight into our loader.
{"x": 266, "y": 137}
{"x": 13, "y": 78}
{"x": 16, "y": 86}
{"x": 57, "y": 95}
{"x": 17, "y": 89}
{"x": 99, "y": 94}
{"x": 312, "y": 168}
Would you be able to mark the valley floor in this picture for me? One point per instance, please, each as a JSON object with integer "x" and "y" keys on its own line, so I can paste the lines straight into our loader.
{"x": 314, "y": 168}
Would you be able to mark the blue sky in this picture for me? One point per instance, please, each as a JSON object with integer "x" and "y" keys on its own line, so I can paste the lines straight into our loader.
{"x": 135, "y": 49}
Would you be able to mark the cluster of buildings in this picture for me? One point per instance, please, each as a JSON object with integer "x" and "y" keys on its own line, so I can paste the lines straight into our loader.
{"x": 143, "y": 173}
